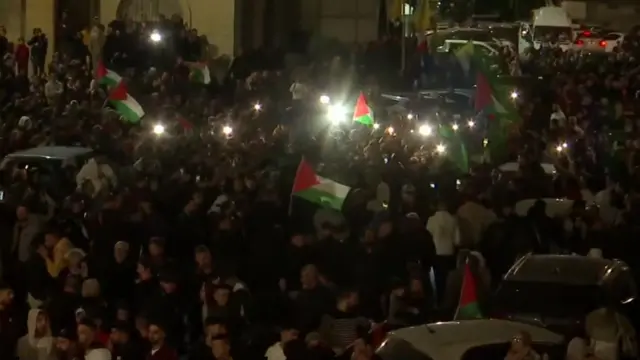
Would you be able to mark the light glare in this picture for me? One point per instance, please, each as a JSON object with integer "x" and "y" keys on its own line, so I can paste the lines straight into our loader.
{"x": 325, "y": 100}
{"x": 155, "y": 36}
{"x": 227, "y": 130}
{"x": 440, "y": 149}
{"x": 158, "y": 129}
{"x": 425, "y": 130}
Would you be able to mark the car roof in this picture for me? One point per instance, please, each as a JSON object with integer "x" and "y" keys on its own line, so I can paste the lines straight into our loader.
{"x": 450, "y": 340}
{"x": 52, "y": 152}
{"x": 564, "y": 269}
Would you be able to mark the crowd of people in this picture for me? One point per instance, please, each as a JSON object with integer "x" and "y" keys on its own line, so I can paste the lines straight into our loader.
{"x": 190, "y": 244}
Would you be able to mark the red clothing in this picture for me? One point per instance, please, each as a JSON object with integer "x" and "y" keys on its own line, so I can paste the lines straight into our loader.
{"x": 102, "y": 337}
{"x": 22, "y": 56}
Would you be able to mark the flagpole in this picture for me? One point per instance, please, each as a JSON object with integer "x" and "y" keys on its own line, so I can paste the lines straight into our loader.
{"x": 403, "y": 42}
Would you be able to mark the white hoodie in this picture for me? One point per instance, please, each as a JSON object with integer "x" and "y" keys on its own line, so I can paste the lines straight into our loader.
{"x": 30, "y": 347}
{"x": 98, "y": 354}
{"x": 445, "y": 232}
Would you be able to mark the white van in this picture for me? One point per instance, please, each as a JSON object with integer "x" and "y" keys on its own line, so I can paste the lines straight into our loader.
{"x": 549, "y": 22}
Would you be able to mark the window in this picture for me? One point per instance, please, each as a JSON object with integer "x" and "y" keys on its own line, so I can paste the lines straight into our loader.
{"x": 611, "y": 37}
{"x": 397, "y": 349}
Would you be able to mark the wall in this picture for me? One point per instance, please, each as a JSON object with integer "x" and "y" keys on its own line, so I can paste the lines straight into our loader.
{"x": 352, "y": 21}
{"x": 12, "y": 18}
{"x": 214, "y": 18}
{"x": 619, "y": 15}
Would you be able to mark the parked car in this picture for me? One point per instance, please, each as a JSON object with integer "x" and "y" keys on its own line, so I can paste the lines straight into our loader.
{"x": 613, "y": 41}
{"x": 50, "y": 163}
{"x": 589, "y": 41}
{"x": 466, "y": 340}
{"x": 565, "y": 287}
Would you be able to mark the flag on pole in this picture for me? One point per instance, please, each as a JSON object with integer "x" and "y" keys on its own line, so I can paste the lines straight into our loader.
{"x": 106, "y": 77}
{"x": 199, "y": 72}
{"x": 493, "y": 99}
{"x": 362, "y": 112}
{"x": 456, "y": 148}
{"x": 125, "y": 104}
{"x": 468, "y": 307}
{"x": 322, "y": 191}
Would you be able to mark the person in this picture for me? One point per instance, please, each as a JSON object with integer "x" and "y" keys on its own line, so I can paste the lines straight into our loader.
{"x": 22, "y": 57}
{"x": 159, "y": 348}
{"x": 445, "y": 232}
{"x": 39, "y": 47}
{"x": 121, "y": 343}
{"x": 66, "y": 345}
{"x": 58, "y": 246}
{"x": 38, "y": 344}
{"x": 88, "y": 341}
{"x": 521, "y": 349}
{"x": 9, "y": 328}
{"x": 276, "y": 351}
{"x": 611, "y": 334}
{"x": 342, "y": 326}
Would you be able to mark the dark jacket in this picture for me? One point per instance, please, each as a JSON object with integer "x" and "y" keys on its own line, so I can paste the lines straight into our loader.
{"x": 164, "y": 353}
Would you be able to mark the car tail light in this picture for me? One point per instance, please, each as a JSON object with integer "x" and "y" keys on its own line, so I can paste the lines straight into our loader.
{"x": 579, "y": 42}
{"x": 586, "y": 33}
{"x": 603, "y": 43}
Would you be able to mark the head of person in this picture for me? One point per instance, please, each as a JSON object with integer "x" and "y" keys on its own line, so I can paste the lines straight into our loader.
{"x": 156, "y": 247}
{"x": 74, "y": 257}
{"x": 214, "y": 327}
{"x": 221, "y": 294}
{"x": 120, "y": 251}
{"x": 42, "y": 327}
{"x": 22, "y": 213}
{"x": 6, "y": 295}
{"x": 65, "y": 341}
{"x": 120, "y": 333}
{"x": 144, "y": 269}
{"x": 288, "y": 333}
{"x": 521, "y": 342}
{"x": 309, "y": 276}
{"x": 168, "y": 282}
{"x": 90, "y": 288}
{"x": 348, "y": 300}
{"x": 157, "y": 334}
{"x": 86, "y": 332}
{"x": 220, "y": 347}
{"x": 203, "y": 257}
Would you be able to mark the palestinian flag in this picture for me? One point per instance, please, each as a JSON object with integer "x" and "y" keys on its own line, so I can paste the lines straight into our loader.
{"x": 316, "y": 189}
{"x": 125, "y": 104}
{"x": 199, "y": 72}
{"x": 493, "y": 100}
{"x": 362, "y": 112}
{"x": 457, "y": 150}
{"x": 107, "y": 77}
{"x": 468, "y": 307}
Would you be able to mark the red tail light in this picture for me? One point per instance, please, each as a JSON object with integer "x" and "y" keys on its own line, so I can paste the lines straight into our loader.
{"x": 579, "y": 42}
{"x": 603, "y": 43}
{"x": 586, "y": 33}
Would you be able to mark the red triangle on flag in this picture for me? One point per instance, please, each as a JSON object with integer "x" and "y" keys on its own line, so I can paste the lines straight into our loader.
{"x": 305, "y": 177}
{"x": 362, "y": 109}
{"x": 186, "y": 124}
{"x": 468, "y": 293}
{"x": 483, "y": 92}
{"x": 101, "y": 71}
{"x": 119, "y": 93}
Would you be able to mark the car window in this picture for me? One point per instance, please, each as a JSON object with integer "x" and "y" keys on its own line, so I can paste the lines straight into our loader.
{"x": 611, "y": 37}
{"x": 553, "y": 299}
{"x": 394, "y": 348}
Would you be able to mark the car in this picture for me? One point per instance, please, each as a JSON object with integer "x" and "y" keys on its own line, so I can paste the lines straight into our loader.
{"x": 466, "y": 340}
{"x": 565, "y": 287}
{"x": 490, "y": 48}
{"x": 50, "y": 163}
{"x": 613, "y": 41}
{"x": 589, "y": 41}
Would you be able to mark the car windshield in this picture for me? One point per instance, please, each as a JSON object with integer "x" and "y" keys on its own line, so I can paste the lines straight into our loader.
{"x": 552, "y": 299}
{"x": 398, "y": 349}
{"x": 611, "y": 37}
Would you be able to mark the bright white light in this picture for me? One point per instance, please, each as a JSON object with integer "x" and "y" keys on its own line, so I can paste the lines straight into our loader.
{"x": 391, "y": 130}
{"x": 562, "y": 147}
{"x": 425, "y": 130}
{"x": 440, "y": 149}
{"x": 257, "y": 107}
{"x": 325, "y": 100}
{"x": 227, "y": 130}
{"x": 410, "y": 116}
{"x": 455, "y": 127}
{"x": 155, "y": 36}
{"x": 158, "y": 129}
{"x": 376, "y": 126}
{"x": 559, "y": 148}
{"x": 337, "y": 113}
{"x": 471, "y": 123}
{"x": 514, "y": 95}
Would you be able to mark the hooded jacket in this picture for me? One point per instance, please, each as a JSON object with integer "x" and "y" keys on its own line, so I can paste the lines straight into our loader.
{"x": 98, "y": 354}
{"x": 33, "y": 347}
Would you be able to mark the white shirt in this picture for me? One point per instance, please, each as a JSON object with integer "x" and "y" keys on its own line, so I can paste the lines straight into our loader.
{"x": 445, "y": 232}
{"x": 275, "y": 352}
{"x": 298, "y": 91}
